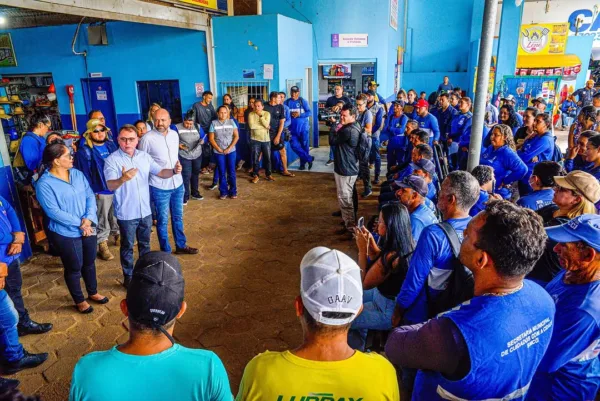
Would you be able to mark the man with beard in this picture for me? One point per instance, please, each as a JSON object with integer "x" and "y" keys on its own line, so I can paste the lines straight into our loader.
{"x": 162, "y": 144}
{"x": 89, "y": 159}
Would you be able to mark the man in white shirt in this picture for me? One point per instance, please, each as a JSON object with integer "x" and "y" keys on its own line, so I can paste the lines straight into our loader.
{"x": 162, "y": 144}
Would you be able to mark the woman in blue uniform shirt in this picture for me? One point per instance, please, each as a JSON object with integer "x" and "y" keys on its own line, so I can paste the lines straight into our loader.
{"x": 70, "y": 204}
{"x": 536, "y": 148}
{"x": 502, "y": 157}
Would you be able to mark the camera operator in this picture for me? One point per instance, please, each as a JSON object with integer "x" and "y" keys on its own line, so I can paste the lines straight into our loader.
{"x": 333, "y": 121}
{"x": 345, "y": 142}
{"x": 333, "y": 101}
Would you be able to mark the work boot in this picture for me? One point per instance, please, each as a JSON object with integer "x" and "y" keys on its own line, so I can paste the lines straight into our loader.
{"x": 104, "y": 252}
{"x": 27, "y": 362}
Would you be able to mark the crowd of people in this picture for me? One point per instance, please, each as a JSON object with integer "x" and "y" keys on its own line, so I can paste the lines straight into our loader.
{"x": 485, "y": 283}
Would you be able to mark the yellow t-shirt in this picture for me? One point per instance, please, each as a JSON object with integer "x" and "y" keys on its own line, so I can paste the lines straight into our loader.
{"x": 281, "y": 376}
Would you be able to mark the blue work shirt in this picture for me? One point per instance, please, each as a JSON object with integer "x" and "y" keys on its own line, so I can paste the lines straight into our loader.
{"x": 420, "y": 218}
{"x": 540, "y": 147}
{"x": 410, "y": 110}
{"x": 445, "y": 87}
{"x": 9, "y": 223}
{"x": 537, "y": 199}
{"x": 460, "y": 124}
{"x": 480, "y": 205}
{"x": 508, "y": 166}
{"x": 394, "y": 128}
{"x": 431, "y": 192}
{"x": 431, "y": 264}
{"x": 32, "y": 148}
{"x": 430, "y": 125}
{"x": 570, "y": 369}
{"x": 444, "y": 118}
{"x": 300, "y": 106}
{"x": 132, "y": 199}
{"x": 288, "y": 117}
{"x": 595, "y": 171}
{"x": 67, "y": 203}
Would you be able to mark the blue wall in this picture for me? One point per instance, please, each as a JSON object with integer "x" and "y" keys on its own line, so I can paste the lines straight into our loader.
{"x": 233, "y": 53}
{"x": 295, "y": 50}
{"x": 136, "y": 52}
{"x": 581, "y": 46}
{"x": 437, "y": 43}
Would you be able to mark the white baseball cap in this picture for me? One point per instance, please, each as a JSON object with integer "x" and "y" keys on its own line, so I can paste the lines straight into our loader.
{"x": 330, "y": 281}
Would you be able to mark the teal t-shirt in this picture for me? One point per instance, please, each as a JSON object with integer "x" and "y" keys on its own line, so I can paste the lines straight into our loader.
{"x": 177, "y": 373}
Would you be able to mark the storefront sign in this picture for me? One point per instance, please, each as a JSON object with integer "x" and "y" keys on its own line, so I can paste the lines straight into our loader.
{"x": 7, "y": 52}
{"x": 394, "y": 14}
{"x": 212, "y": 4}
{"x": 349, "y": 40}
{"x": 542, "y": 39}
{"x": 540, "y": 72}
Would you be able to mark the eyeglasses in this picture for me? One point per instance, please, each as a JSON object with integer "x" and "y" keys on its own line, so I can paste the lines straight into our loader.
{"x": 360, "y": 104}
{"x": 127, "y": 140}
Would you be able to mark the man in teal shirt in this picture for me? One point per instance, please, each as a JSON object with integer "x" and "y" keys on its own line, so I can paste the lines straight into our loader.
{"x": 150, "y": 366}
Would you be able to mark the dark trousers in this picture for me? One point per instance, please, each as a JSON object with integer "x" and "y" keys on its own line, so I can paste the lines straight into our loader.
{"x": 130, "y": 230}
{"x": 14, "y": 282}
{"x": 206, "y": 153}
{"x": 78, "y": 256}
{"x": 375, "y": 157}
{"x": 258, "y": 148}
{"x": 190, "y": 173}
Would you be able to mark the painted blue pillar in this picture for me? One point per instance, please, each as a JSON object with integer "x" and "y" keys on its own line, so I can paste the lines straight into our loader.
{"x": 508, "y": 40}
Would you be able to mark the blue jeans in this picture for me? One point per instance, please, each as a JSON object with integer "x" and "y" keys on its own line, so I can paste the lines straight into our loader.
{"x": 11, "y": 349}
{"x": 331, "y": 152}
{"x": 78, "y": 256}
{"x": 130, "y": 230}
{"x": 374, "y": 156}
{"x": 190, "y": 171}
{"x": 226, "y": 169}
{"x": 169, "y": 200}
{"x": 14, "y": 282}
{"x": 376, "y": 315}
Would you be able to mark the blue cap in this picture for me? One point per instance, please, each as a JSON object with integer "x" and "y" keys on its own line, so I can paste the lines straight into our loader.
{"x": 415, "y": 183}
{"x": 584, "y": 228}
{"x": 425, "y": 165}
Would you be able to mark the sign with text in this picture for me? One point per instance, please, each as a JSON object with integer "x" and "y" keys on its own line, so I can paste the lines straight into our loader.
{"x": 394, "y": 14}
{"x": 543, "y": 39}
{"x": 212, "y": 4}
{"x": 349, "y": 40}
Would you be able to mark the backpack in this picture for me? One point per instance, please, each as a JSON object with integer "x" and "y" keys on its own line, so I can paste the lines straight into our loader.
{"x": 460, "y": 283}
{"x": 363, "y": 149}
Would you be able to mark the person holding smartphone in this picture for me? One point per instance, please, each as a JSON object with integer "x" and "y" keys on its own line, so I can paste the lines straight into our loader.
{"x": 190, "y": 155}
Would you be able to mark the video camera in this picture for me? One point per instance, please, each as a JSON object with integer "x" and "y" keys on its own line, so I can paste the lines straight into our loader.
{"x": 328, "y": 114}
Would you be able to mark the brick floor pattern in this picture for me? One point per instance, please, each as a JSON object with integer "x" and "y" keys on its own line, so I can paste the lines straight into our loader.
{"x": 240, "y": 289}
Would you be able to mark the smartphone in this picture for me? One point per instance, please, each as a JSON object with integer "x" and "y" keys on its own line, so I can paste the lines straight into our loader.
{"x": 361, "y": 223}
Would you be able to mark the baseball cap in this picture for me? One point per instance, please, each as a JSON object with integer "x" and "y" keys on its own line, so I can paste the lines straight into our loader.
{"x": 415, "y": 183}
{"x": 373, "y": 83}
{"x": 294, "y": 89}
{"x": 597, "y": 94}
{"x": 401, "y": 102}
{"x": 422, "y": 103}
{"x": 330, "y": 282}
{"x": 539, "y": 100}
{"x": 92, "y": 124}
{"x": 582, "y": 182}
{"x": 425, "y": 165}
{"x": 155, "y": 294}
{"x": 510, "y": 98}
{"x": 584, "y": 228}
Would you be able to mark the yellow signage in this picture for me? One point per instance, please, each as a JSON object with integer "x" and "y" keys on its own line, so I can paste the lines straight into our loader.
{"x": 543, "y": 39}
{"x": 212, "y": 4}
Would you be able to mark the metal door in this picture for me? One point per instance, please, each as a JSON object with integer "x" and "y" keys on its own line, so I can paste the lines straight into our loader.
{"x": 98, "y": 95}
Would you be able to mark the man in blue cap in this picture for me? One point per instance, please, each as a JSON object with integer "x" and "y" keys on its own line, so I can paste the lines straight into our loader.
{"x": 413, "y": 194}
{"x": 570, "y": 369}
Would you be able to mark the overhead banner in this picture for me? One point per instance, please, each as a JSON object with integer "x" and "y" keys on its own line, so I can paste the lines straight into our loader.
{"x": 212, "y": 4}
{"x": 543, "y": 39}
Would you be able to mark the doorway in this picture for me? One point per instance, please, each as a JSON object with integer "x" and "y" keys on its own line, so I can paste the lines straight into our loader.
{"x": 98, "y": 95}
{"x": 165, "y": 93}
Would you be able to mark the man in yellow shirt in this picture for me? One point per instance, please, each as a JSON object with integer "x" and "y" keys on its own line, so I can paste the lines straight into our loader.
{"x": 324, "y": 366}
{"x": 258, "y": 121}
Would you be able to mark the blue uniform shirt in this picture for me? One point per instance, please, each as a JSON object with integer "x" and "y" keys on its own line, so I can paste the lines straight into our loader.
{"x": 301, "y": 106}
{"x": 9, "y": 223}
{"x": 461, "y": 123}
{"x": 508, "y": 166}
{"x": 420, "y": 218}
{"x": 431, "y": 264}
{"x": 288, "y": 117}
{"x": 444, "y": 118}
{"x": 578, "y": 163}
{"x": 480, "y": 205}
{"x": 537, "y": 199}
{"x": 430, "y": 125}
{"x": 32, "y": 148}
{"x": 410, "y": 110}
{"x": 541, "y": 147}
{"x": 67, "y": 203}
{"x": 570, "y": 369}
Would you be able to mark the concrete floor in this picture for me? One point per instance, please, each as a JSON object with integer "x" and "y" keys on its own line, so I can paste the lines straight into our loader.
{"x": 240, "y": 289}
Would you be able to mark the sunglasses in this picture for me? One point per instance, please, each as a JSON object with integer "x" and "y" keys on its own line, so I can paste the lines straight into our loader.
{"x": 100, "y": 130}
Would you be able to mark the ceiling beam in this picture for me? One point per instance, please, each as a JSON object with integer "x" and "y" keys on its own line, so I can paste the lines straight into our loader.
{"x": 120, "y": 10}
